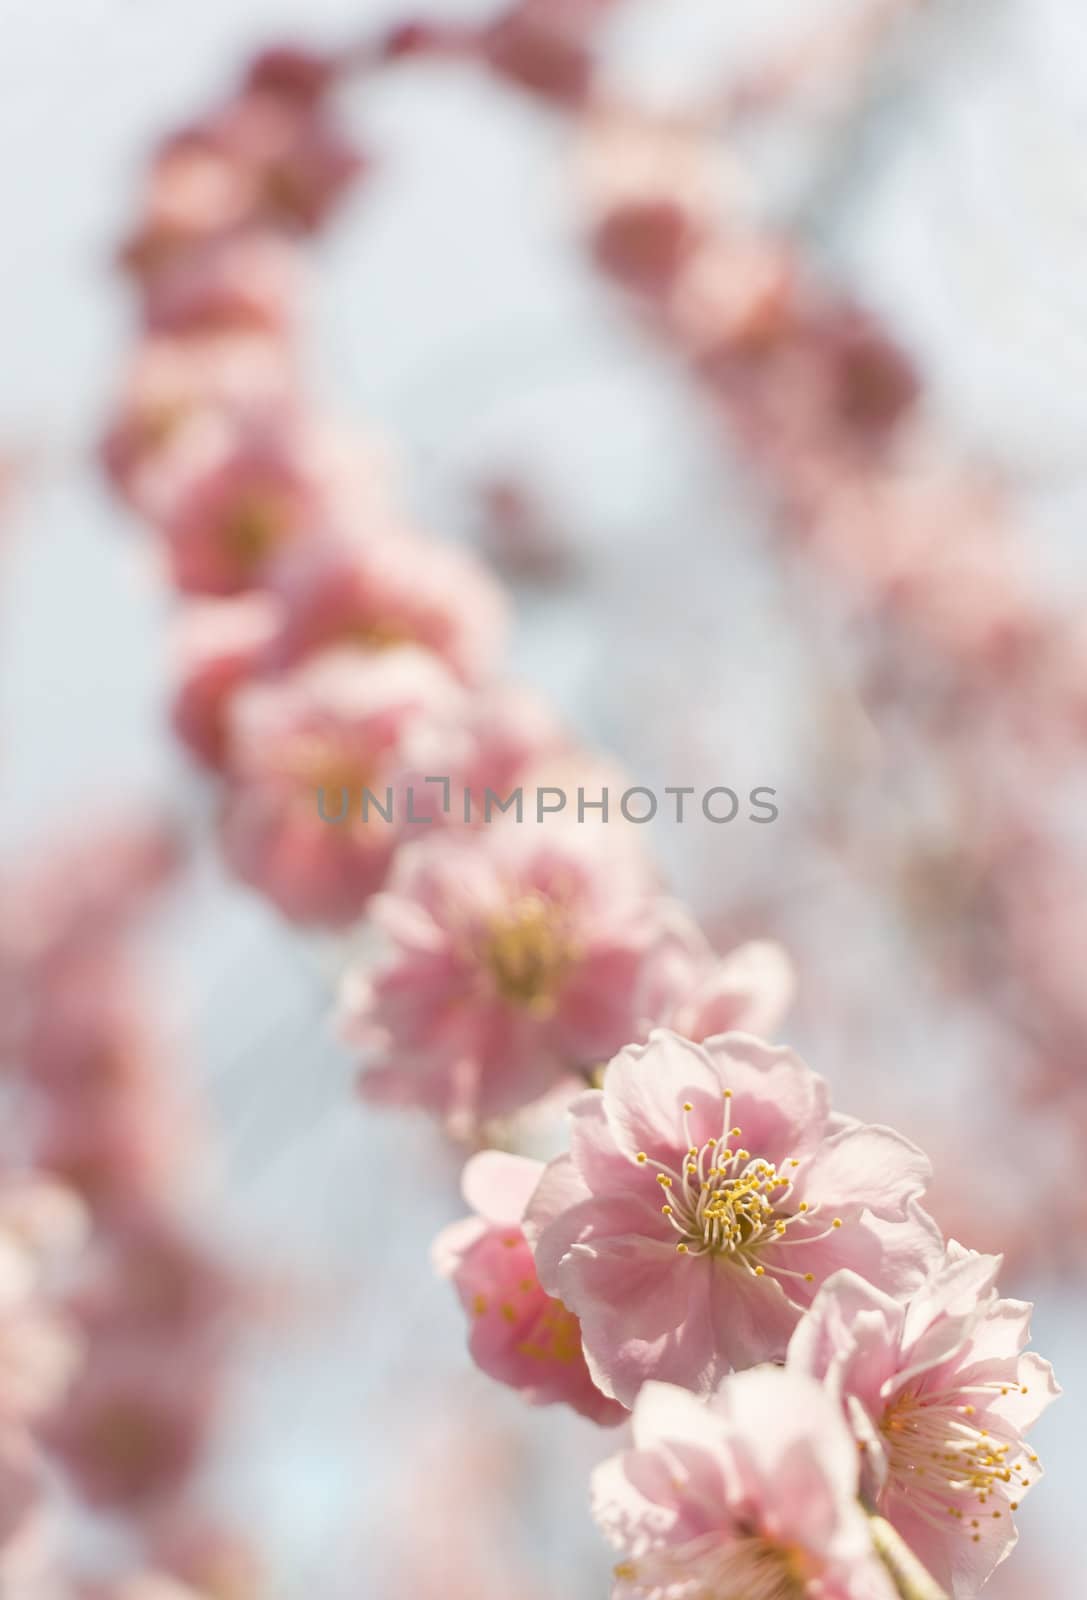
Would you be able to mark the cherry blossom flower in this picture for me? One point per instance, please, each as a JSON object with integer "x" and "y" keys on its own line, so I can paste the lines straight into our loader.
{"x": 750, "y": 1495}
{"x": 179, "y": 398}
{"x": 939, "y": 1393}
{"x": 518, "y": 959}
{"x": 293, "y": 74}
{"x": 319, "y": 766}
{"x": 708, "y": 1192}
{"x": 388, "y": 591}
{"x": 649, "y": 194}
{"x": 116, "y": 1151}
{"x": 519, "y": 1335}
{"x": 266, "y": 159}
{"x": 149, "y": 1278}
{"x": 219, "y": 645}
{"x": 134, "y": 1423}
{"x": 266, "y": 489}
{"x": 543, "y": 46}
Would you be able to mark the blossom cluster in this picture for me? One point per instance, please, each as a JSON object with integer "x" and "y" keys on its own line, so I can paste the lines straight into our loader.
{"x": 116, "y": 1316}
{"x": 748, "y": 1274}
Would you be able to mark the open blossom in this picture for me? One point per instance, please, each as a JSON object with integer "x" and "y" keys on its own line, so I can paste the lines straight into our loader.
{"x": 389, "y": 591}
{"x": 266, "y": 489}
{"x": 319, "y": 766}
{"x": 519, "y": 959}
{"x": 939, "y": 1392}
{"x": 708, "y": 1192}
{"x": 751, "y": 1495}
{"x": 519, "y": 1335}
{"x": 179, "y": 397}
{"x": 134, "y": 1423}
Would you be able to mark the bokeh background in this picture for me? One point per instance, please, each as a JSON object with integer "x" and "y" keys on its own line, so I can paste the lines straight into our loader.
{"x": 454, "y": 314}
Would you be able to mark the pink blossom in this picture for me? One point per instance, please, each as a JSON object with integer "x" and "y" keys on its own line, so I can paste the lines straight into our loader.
{"x": 67, "y": 907}
{"x": 544, "y": 46}
{"x": 248, "y": 283}
{"x": 291, "y": 73}
{"x": 733, "y": 294}
{"x": 219, "y": 646}
{"x": 519, "y": 1335}
{"x": 115, "y": 1151}
{"x": 196, "y": 193}
{"x": 178, "y": 400}
{"x": 266, "y": 159}
{"x": 751, "y": 1495}
{"x": 268, "y": 488}
{"x": 510, "y": 733}
{"x": 405, "y": 590}
{"x": 92, "y": 1037}
{"x": 149, "y": 1278}
{"x": 518, "y": 959}
{"x": 316, "y": 740}
{"x": 708, "y": 1192}
{"x": 939, "y": 1393}
{"x": 134, "y": 1423}
{"x": 747, "y": 991}
{"x": 296, "y": 163}
{"x": 649, "y": 194}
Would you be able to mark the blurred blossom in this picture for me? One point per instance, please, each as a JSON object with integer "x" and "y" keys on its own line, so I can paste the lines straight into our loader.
{"x": 514, "y": 962}
{"x": 269, "y": 487}
{"x": 321, "y": 738}
{"x": 134, "y": 1423}
{"x": 180, "y": 397}
{"x": 404, "y": 590}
